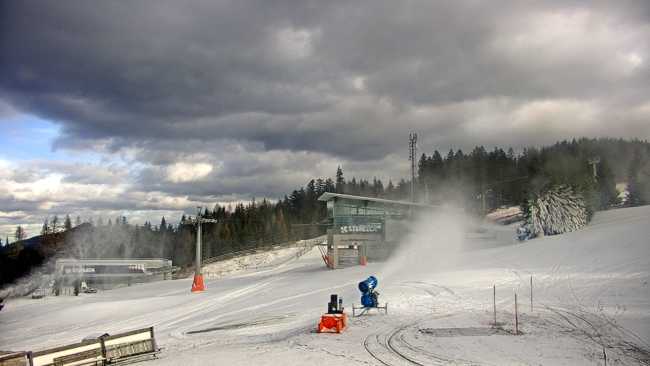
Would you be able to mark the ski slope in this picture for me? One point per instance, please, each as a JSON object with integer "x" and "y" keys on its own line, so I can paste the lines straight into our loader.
{"x": 591, "y": 294}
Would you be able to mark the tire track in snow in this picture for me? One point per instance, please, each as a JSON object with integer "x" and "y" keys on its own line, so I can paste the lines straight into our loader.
{"x": 380, "y": 346}
{"x": 180, "y": 332}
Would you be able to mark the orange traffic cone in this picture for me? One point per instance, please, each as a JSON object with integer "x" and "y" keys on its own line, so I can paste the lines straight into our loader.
{"x": 197, "y": 285}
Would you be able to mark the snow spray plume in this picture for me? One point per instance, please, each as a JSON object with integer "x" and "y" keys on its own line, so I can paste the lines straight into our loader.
{"x": 117, "y": 241}
{"x": 86, "y": 241}
{"x": 435, "y": 242}
{"x": 38, "y": 277}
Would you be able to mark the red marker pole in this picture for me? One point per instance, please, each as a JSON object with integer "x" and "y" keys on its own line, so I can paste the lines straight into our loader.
{"x": 198, "y": 285}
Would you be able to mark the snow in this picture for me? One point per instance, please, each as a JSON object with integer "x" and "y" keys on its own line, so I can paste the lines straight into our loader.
{"x": 256, "y": 261}
{"x": 506, "y": 215}
{"x": 590, "y": 293}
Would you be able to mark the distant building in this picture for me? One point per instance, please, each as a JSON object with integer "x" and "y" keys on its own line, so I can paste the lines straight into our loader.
{"x": 364, "y": 228}
{"x": 108, "y": 273}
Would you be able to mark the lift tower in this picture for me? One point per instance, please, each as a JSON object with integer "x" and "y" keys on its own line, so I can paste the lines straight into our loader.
{"x": 198, "y": 285}
{"x": 413, "y": 140}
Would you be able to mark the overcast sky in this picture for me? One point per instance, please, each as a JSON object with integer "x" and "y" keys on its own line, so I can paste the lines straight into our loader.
{"x": 150, "y": 108}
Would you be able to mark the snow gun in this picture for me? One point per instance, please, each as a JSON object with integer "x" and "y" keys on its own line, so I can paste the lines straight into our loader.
{"x": 335, "y": 321}
{"x": 369, "y": 297}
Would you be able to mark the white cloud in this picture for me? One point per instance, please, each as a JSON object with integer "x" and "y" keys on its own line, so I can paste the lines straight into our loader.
{"x": 570, "y": 117}
{"x": 359, "y": 83}
{"x": 188, "y": 172}
{"x": 294, "y": 44}
{"x": 631, "y": 61}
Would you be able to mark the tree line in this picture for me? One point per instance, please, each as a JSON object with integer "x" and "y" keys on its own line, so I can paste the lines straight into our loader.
{"x": 479, "y": 180}
{"x": 484, "y": 180}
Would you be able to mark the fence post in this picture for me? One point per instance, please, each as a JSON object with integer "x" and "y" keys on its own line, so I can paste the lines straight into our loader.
{"x": 531, "y": 293}
{"x": 516, "y": 316}
{"x": 494, "y": 303}
{"x": 102, "y": 344}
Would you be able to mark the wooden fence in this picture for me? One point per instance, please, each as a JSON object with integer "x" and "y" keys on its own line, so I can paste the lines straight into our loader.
{"x": 104, "y": 350}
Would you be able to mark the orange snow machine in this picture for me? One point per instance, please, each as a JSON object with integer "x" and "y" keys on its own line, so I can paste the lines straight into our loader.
{"x": 335, "y": 321}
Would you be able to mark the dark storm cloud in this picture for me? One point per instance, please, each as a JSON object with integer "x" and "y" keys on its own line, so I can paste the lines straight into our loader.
{"x": 10, "y": 204}
{"x": 261, "y": 96}
{"x": 111, "y": 69}
{"x": 280, "y": 73}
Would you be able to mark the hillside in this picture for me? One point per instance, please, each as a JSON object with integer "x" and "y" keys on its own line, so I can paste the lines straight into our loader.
{"x": 591, "y": 292}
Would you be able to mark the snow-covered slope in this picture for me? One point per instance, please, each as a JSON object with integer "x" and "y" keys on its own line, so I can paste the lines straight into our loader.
{"x": 591, "y": 293}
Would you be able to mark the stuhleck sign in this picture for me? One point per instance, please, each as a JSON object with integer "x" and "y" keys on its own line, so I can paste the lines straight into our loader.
{"x": 374, "y": 227}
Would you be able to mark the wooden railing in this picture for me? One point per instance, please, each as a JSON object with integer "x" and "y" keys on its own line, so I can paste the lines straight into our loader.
{"x": 104, "y": 350}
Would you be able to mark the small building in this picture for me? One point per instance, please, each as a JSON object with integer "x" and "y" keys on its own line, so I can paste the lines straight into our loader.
{"x": 365, "y": 228}
{"x": 108, "y": 273}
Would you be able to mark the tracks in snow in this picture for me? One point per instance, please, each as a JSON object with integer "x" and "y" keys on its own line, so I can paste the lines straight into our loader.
{"x": 391, "y": 348}
{"x": 381, "y": 346}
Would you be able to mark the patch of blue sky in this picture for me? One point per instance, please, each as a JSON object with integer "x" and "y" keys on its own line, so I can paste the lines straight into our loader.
{"x": 28, "y": 137}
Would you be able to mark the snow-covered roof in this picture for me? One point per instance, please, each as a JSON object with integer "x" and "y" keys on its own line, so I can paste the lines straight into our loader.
{"x": 329, "y": 196}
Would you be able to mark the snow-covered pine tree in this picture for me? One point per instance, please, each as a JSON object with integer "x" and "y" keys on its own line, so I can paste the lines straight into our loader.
{"x": 556, "y": 210}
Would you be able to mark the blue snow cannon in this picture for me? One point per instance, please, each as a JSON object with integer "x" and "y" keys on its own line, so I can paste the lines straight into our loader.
{"x": 369, "y": 297}
{"x": 368, "y": 293}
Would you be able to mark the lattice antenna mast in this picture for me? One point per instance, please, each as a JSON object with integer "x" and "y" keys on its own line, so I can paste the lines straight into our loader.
{"x": 413, "y": 139}
{"x": 594, "y": 164}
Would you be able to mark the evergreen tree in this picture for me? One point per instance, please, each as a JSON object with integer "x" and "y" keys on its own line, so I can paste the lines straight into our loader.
{"x": 390, "y": 190}
{"x": 67, "y": 223}
{"x": 329, "y": 185}
{"x": 46, "y": 228}
{"x": 77, "y": 221}
{"x": 163, "y": 224}
{"x": 320, "y": 186}
{"x": 340, "y": 181}
{"x": 606, "y": 185}
{"x": 20, "y": 233}
{"x": 55, "y": 224}
{"x": 634, "y": 197}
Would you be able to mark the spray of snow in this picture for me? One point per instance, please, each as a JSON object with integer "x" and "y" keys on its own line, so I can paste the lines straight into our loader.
{"x": 83, "y": 242}
{"x": 434, "y": 243}
{"x": 39, "y": 277}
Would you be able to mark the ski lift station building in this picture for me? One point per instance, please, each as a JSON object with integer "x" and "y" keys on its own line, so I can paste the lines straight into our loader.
{"x": 365, "y": 229}
{"x": 108, "y": 273}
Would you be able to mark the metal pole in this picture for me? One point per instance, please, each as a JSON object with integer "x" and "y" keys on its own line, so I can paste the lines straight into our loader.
{"x": 198, "y": 245}
{"x": 483, "y": 204}
{"x": 516, "y": 316}
{"x": 494, "y": 303}
{"x": 531, "y": 294}
{"x": 413, "y": 138}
